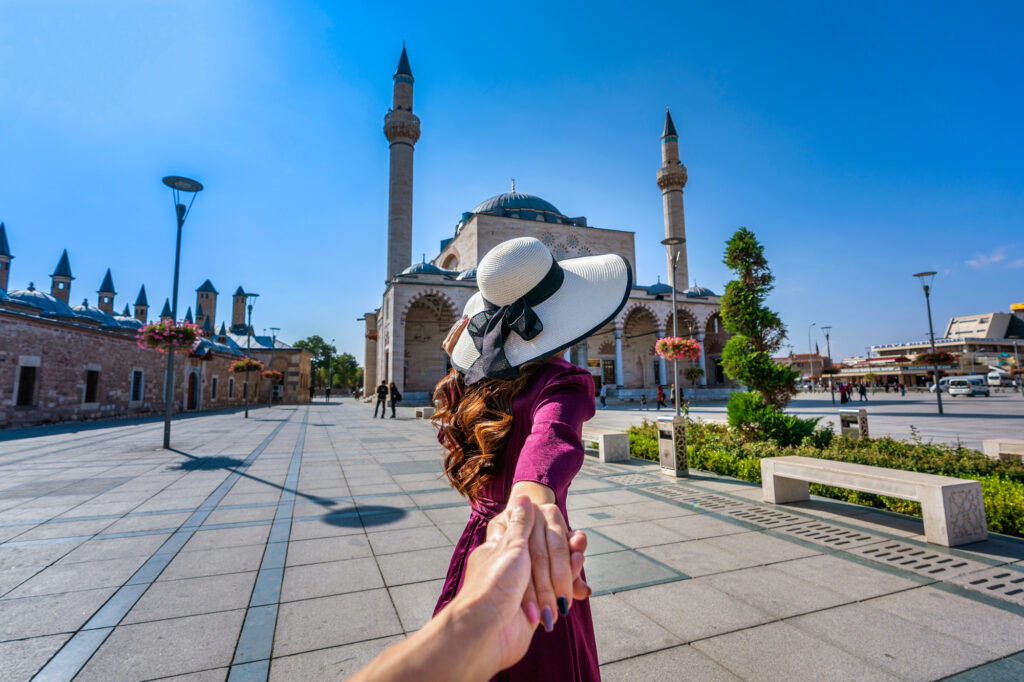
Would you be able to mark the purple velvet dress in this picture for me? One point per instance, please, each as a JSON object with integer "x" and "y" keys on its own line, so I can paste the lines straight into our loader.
{"x": 544, "y": 446}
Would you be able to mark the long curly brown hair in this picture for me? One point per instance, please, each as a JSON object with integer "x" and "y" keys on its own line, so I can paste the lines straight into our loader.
{"x": 474, "y": 423}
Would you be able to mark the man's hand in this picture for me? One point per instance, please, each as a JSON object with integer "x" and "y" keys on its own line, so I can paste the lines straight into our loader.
{"x": 453, "y": 335}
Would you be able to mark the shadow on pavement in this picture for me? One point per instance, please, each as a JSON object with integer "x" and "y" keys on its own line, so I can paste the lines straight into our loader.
{"x": 207, "y": 463}
{"x": 371, "y": 515}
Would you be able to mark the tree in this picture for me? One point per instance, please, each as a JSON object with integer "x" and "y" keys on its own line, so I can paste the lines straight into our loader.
{"x": 322, "y": 354}
{"x": 757, "y": 331}
{"x": 346, "y": 371}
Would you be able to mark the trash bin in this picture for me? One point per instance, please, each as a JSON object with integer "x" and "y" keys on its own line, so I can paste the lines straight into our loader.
{"x": 672, "y": 446}
{"x": 853, "y": 422}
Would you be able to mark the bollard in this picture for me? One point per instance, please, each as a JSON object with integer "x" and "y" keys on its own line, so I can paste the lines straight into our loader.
{"x": 672, "y": 446}
{"x": 853, "y": 422}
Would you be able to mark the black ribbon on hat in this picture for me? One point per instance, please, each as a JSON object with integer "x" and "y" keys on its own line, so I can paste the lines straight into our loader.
{"x": 490, "y": 328}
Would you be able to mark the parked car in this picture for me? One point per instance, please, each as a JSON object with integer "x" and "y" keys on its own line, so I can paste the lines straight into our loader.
{"x": 943, "y": 385}
{"x": 968, "y": 386}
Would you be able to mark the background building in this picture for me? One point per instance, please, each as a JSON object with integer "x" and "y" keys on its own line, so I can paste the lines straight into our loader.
{"x": 421, "y": 301}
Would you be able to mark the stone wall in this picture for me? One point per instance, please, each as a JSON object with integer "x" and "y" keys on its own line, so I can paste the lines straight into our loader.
{"x": 63, "y": 353}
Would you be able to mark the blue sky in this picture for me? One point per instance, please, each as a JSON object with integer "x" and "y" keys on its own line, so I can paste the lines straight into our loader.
{"x": 862, "y": 143}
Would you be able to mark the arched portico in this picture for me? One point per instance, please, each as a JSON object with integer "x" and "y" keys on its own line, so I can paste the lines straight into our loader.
{"x": 425, "y": 322}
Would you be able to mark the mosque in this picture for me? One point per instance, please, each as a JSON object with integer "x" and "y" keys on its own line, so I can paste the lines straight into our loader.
{"x": 421, "y": 301}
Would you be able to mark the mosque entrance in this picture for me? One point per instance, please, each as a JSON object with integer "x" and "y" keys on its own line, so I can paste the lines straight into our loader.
{"x": 426, "y": 324}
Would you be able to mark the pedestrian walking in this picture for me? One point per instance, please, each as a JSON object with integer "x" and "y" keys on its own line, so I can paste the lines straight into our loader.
{"x": 903, "y": 389}
{"x": 509, "y": 416}
{"x": 643, "y": 402}
{"x": 661, "y": 398}
{"x": 311, "y": 392}
{"x": 604, "y": 396}
{"x": 863, "y": 391}
{"x": 396, "y": 398}
{"x": 382, "y": 398}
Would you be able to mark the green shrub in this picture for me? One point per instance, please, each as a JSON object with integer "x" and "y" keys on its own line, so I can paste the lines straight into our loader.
{"x": 748, "y": 413}
{"x": 643, "y": 440}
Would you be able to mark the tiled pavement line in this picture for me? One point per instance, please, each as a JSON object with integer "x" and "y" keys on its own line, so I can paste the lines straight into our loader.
{"x": 78, "y": 443}
{"x": 76, "y": 652}
{"x": 256, "y": 641}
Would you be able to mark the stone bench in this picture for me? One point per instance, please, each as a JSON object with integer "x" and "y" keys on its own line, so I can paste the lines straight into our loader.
{"x": 953, "y": 509}
{"x": 1004, "y": 449}
{"x": 424, "y": 412}
{"x": 612, "y": 446}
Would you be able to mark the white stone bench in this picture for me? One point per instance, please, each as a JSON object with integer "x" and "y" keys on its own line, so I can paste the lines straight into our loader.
{"x": 612, "y": 446}
{"x": 1004, "y": 449}
{"x": 953, "y": 509}
{"x": 424, "y": 412}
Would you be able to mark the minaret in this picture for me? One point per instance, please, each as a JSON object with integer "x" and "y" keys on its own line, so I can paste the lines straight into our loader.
{"x": 5, "y": 258}
{"x": 142, "y": 306}
{"x": 107, "y": 293}
{"x": 402, "y": 128}
{"x": 671, "y": 180}
{"x": 60, "y": 280}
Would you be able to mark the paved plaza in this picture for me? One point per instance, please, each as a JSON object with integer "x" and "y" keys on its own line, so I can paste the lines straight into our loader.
{"x": 297, "y": 544}
{"x": 966, "y": 420}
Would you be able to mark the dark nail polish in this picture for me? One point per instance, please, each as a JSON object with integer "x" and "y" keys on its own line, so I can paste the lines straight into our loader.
{"x": 547, "y": 618}
{"x": 563, "y": 606}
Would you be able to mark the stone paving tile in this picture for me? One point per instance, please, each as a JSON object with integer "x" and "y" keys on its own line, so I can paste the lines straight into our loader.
{"x": 1005, "y": 670}
{"x": 77, "y": 577}
{"x": 415, "y": 566}
{"x": 750, "y": 654}
{"x": 693, "y": 610}
{"x": 335, "y": 663}
{"x": 215, "y": 675}
{"x": 236, "y": 515}
{"x": 332, "y": 621}
{"x": 667, "y": 665}
{"x": 192, "y": 596}
{"x": 333, "y": 577}
{"x": 11, "y": 578}
{"x": 20, "y": 659}
{"x": 624, "y": 632}
{"x": 903, "y": 648}
{"x": 700, "y": 526}
{"x": 415, "y": 602}
{"x": 213, "y": 562}
{"x": 49, "y": 614}
{"x": 858, "y": 581}
{"x": 35, "y": 556}
{"x": 324, "y": 528}
{"x": 698, "y": 557}
{"x": 761, "y": 547}
{"x": 335, "y": 548}
{"x": 167, "y": 647}
{"x": 614, "y": 571}
{"x": 93, "y": 550}
{"x": 640, "y": 534}
{"x": 774, "y": 592}
{"x": 458, "y": 514}
{"x": 987, "y": 627}
{"x": 205, "y": 540}
{"x": 149, "y": 522}
{"x": 380, "y": 520}
{"x": 392, "y": 541}
{"x": 64, "y": 530}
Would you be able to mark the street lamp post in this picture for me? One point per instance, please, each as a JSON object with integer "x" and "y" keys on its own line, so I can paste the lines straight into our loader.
{"x": 248, "y": 342}
{"x": 926, "y": 279}
{"x": 828, "y": 349}
{"x": 675, "y": 241}
{"x": 178, "y": 185}
{"x": 273, "y": 347}
{"x": 810, "y": 354}
{"x": 330, "y": 371}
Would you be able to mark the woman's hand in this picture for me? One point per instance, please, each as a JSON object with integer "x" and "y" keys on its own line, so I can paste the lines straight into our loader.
{"x": 448, "y": 345}
{"x": 556, "y": 562}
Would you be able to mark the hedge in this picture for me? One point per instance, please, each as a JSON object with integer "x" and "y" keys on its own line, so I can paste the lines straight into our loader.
{"x": 719, "y": 449}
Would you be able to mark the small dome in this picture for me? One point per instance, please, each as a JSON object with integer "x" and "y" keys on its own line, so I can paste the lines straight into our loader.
{"x": 127, "y": 322}
{"x": 467, "y": 275}
{"x": 698, "y": 291}
{"x": 47, "y": 304}
{"x": 659, "y": 289}
{"x": 95, "y": 314}
{"x": 423, "y": 269}
{"x": 517, "y": 204}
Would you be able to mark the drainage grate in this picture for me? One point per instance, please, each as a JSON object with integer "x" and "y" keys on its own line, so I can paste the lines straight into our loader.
{"x": 631, "y": 479}
{"x": 695, "y": 499}
{"x": 920, "y": 560}
{"x": 1001, "y": 582}
{"x": 766, "y": 518}
{"x": 830, "y": 536}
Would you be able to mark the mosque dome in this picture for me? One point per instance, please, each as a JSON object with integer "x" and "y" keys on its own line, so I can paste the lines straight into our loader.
{"x": 659, "y": 289}
{"x": 47, "y": 304}
{"x": 126, "y": 322}
{"x": 698, "y": 291}
{"x": 423, "y": 269}
{"x": 95, "y": 314}
{"x": 518, "y": 205}
{"x": 467, "y": 275}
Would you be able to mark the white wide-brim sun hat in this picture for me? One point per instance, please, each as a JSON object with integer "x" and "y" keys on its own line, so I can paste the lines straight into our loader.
{"x": 593, "y": 290}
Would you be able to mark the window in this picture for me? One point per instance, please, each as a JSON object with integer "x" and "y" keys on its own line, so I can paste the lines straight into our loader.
{"x": 60, "y": 285}
{"x": 136, "y": 385}
{"x": 231, "y": 387}
{"x": 92, "y": 386}
{"x": 213, "y": 389}
{"x": 26, "y": 385}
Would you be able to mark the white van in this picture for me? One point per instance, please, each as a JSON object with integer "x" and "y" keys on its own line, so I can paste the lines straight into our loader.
{"x": 999, "y": 377}
{"x": 969, "y": 386}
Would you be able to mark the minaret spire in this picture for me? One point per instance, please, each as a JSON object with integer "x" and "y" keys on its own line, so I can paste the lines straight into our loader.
{"x": 672, "y": 179}
{"x": 5, "y": 258}
{"x": 402, "y": 128}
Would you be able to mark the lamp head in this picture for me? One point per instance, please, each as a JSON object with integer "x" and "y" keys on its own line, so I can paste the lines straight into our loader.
{"x": 925, "y": 278}
{"x": 182, "y": 184}
{"x": 673, "y": 241}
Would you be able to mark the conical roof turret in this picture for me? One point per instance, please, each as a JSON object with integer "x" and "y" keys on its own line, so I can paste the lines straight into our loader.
{"x": 5, "y": 248}
{"x": 127, "y": 311}
{"x": 207, "y": 286}
{"x": 188, "y": 315}
{"x": 166, "y": 311}
{"x": 403, "y": 64}
{"x": 64, "y": 267}
{"x": 670, "y": 127}
{"x": 108, "y": 284}
{"x": 141, "y": 298}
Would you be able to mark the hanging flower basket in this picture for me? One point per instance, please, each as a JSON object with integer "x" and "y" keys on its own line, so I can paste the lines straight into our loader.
{"x": 678, "y": 348}
{"x": 246, "y": 365}
{"x": 939, "y": 357}
{"x": 168, "y": 335}
{"x": 274, "y": 375}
